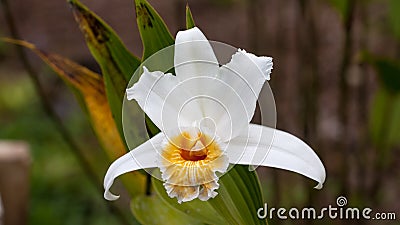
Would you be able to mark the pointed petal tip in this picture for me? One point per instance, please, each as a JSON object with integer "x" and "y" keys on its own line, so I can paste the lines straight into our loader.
{"x": 319, "y": 186}
{"x": 109, "y": 196}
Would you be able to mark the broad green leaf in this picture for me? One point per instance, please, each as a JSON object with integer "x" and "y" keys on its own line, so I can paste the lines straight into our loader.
{"x": 151, "y": 210}
{"x": 153, "y": 31}
{"x": 116, "y": 62}
{"x": 89, "y": 87}
{"x": 189, "y": 18}
{"x": 239, "y": 196}
{"x": 203, "y": 211}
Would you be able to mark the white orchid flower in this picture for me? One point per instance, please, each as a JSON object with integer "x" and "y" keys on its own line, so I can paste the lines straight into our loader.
{"x": 204, "y": 114}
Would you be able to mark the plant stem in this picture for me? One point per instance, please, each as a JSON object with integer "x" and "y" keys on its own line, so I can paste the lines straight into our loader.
{"x": 148, "y": 184}
{"x": 57, "y": 122}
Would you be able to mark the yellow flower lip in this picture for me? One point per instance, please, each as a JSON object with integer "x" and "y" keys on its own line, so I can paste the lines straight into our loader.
{"x": 193, "y": 145}
{"x": 188, "y": 162}
{"x": 195, "y": 155}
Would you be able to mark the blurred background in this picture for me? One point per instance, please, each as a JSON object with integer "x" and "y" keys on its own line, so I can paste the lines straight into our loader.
{"x": 336, "y": 81}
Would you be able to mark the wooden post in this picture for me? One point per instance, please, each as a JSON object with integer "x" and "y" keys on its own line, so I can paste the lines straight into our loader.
{"x": 15, "y": 164}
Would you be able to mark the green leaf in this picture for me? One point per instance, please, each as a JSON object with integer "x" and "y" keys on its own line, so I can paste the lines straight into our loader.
{"x": 89, "y": 87}
{"x": 189, "y": 18}
{"x": 151, "y": 210}
{"x": 116, "y": 62}
{"x": 153, "y": 31}
{"x": 203, "y": 211}
{"x": 239, "y": 196}
{"x": 155, "y": 36}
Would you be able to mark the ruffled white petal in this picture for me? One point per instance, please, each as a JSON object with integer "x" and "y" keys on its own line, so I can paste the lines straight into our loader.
{"x": 194, "y": 55}
{"x": 286, "y": 152}
{"x": 162, "y": 97}
{"x": 246, "y": 74}
{"x": 235, "y": 91}
{"x": 144, "y": 156}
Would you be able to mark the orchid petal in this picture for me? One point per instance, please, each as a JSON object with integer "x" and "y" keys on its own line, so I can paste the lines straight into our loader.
{"x": 194, "y": 55}
{"x": 246, "y": 73}
{"x": 285, "y": 152}
{"x": 161, "y": 98}
{"x": 142, "y": 157}
{"x": 210, "y": 109}
{"x": 235, "y": 90}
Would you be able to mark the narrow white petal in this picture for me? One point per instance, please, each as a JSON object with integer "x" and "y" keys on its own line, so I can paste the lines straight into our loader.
{"x": 161, "y": 96}
{"x": 194, "y": 55}
{"x": 285, "y": 152}
{"x": 144, "y": 156}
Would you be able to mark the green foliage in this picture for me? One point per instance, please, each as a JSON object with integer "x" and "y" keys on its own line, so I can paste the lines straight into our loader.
{"x": 239, "y": 196}
{"x": 153, "y": 31}
{"x": 155, "y": 36}
{"x": 89, "y": 88}
{"x": 116, "y": 62}
{"x": 144, "y": 205}
{"x": 189, "y": 18}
